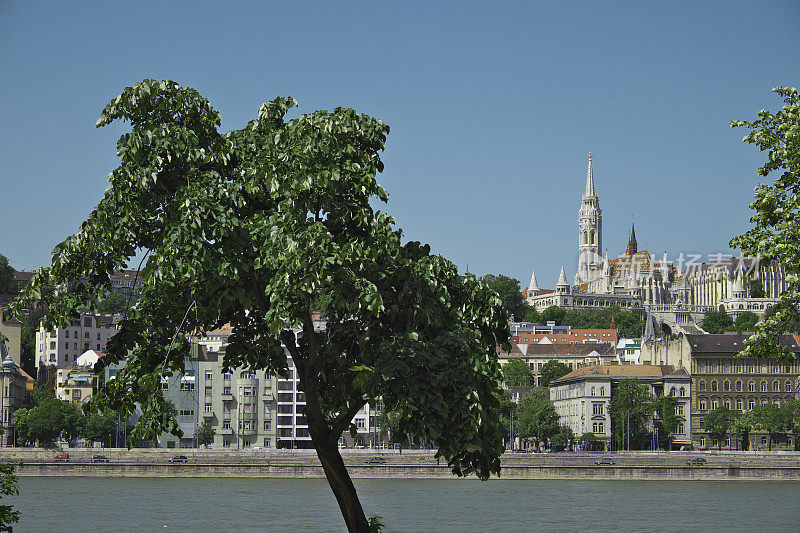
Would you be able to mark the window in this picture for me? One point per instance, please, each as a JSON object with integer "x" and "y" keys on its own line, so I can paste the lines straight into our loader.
{"x": 74, "y": 345}
{"x": 66, "y": 346}
{"x": 164, "y": 384}
{"x": 98, "y": 347}
{"x": 739, "y": 386}
{"x": 714, "y": 403}
{"x": 726, "y": 367}
{"x": 788, "y": 369}
{"x": 714, "y": 386}
{"x": 763, "y": 386}
{"x": 701, "y": 385}
{"x": 171, "y": 444}
{"x": 679, "y": 430}
{"x": 775, "y": 369}
{"x": 597, "y": 409}
{"x": 602, "y": 391}
{"x": 187, "y": 385}
{"x": 714, "y": 367}
{"x": 86, "y": 335}
{"x": 85, "y": 345}
{"x": 267, "y": 425}
{"x": 738, "y": 368}
{"x": 226, "y": 376}
{"x": 87, "y": 322}
{"x": 702, "y": 441}
{"x": 679, "y": 409}
{"x": 209, "y": 375}
{"x": 787, "y": 386}
{"x": 207, "y": 408}
{"x": 751, "y": 368}
{"x": 702, "y": 404}
{"x": 267, "y": 443}
{"x": 52, "y": 345}
{"x": 739, "y": 404}
{"x": 600, "y": 428}
{"x": 226, "y": 424}
{"x": 247, "y": 391}
{"x": 246, "y": 375}
{"x": 98, "y": 336}
{"x": 702, "y": 367}
{"x": 751, "y": 386}
{"x": 226, "y": 443}
{"x": 247, "y": 425}
{"x": 186, "y": 412}
{"x": 245, "y": 443}
{"x": 66, "y": 357}
{"x": 360, "y": 423}
{"x": 726, "y": 385}
{"x": 776, "y": 386}
{"x": 751, "y": 403}
{"x": 727, "y": 403}
{"x": 682, "y": 392}
{"x": 594, "y": 392}
{"x": 226, "y": 390}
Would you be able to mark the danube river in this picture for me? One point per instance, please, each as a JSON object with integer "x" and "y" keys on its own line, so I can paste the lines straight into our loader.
{"x": 225, "y": 504}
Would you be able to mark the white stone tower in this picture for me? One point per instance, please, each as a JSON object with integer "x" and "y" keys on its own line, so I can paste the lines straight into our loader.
{"x": 590, "y": 230}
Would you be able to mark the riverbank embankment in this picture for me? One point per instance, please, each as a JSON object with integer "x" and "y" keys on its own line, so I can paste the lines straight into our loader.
{"x": 410, "y": 464}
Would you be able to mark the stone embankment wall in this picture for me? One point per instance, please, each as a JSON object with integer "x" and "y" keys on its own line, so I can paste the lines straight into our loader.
{"x": 409, "y": 464}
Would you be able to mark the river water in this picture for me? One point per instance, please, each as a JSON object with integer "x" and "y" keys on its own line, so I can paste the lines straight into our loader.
{"x": 460, "y": 505}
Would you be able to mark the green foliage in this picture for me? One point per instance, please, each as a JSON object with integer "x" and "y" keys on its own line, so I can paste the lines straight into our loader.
{"x": 552, "y": 370}
{"x": 250, "y": 228}
{"x": 776, "y": 232}
{"x": 553, "y": 314}
{"x": 536, "y": 418}
{"x": 30, "y": 323}
{"x": 746, "y": 321}
{"x": 563, "y": 436}
{"x": 9, "y": 486}
{"x": 517, "y": 373}
{"x": 510, "y": 294}
{"x": 49, "y": 419}
{"x": 667, "y": 421}
{"x": 788, "y": 323}
{"x": 506, "y": 406}
{"x": 532, "y": 315}
{"x": 631, "y": 400}
{"x": 716, "y": 321}
{"x": 113, "y": 303}
{"x": 776, "y": 420}
{"x": 205, "y": 434}
{"x": 588, "y": 437}
{"x": 100, "y": 426}
{"x": 6, "y": 275}
{"x": 719, "y": 422}
{"x": 755, "y": 289}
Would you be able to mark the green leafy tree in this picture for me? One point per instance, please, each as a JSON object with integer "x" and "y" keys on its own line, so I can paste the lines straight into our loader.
{"x": 255, "y": 227}
{"x": 719, "y": 422}
{"x": 631, "y": 408}
{"x": 716, "y": 321}
{"x": 9, "y": 486}
{"x": 741, "y": 428}
{"x": 6, "y": 275}
{"x": 205, "y": 434}
{"x": 112, "y": 303}
{"x": 532, "y": 315}
{"x": 30, "y": 324}
{"x": 667, "y": 421}
{"x": 775, "y": 235}
{"x": 775, "y": 420}
{"x": 755, "y": 289}
{"x": 790, "y": 323}
{"x": 628, "y": 324}
{"x": 510, "y": 294}
{"x": 562, "y": 437}
{"x": 553, "y": 314}
{"x": 551, "y": 371}
{"x": 588, "y": 437}
{"x": 536, "y": 417}
{"x": 746, "y": 321}
{"x": 517, "y": 373}
{"x": 100, "y": 426}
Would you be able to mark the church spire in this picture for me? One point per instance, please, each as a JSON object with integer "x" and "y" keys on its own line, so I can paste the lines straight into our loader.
{"x": 590, "y": 179}
{"x": 633, "y": 247}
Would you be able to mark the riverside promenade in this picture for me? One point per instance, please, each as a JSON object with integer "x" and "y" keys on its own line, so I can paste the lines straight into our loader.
{"x": 410, "y": 464}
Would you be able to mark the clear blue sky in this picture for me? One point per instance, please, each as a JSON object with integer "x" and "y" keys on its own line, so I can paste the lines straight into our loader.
{"x": 493, "y": 108}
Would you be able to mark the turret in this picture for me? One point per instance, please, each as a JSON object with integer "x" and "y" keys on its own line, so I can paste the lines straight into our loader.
{"x": 562, "y": 287}
{"x": 533, "y": 287}
{"x": 739, "y": 290}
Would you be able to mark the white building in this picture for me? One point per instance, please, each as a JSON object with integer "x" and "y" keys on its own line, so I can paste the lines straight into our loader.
{"x": 60, "y": 347}
{"x": 582, "y": 397}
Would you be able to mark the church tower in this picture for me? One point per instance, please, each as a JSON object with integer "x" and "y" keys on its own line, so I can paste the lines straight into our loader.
{"x": 590, "y": 230}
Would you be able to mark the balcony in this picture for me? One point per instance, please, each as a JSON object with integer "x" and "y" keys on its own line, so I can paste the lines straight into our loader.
{"x": 226, "y": 431}
{"x": 209, "y": 414}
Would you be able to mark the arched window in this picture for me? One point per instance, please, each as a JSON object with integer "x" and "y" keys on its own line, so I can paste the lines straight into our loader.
{"x": 682, "y": 392}
{"x": 592, "y": 238}
{"x": 602, "y": 391}
{"x": 788, "y": 386}
{"x": 672, "y": 391}
{"x": 739, "y": 404}
{"x": 776, "y": 386}
{"x": 727, "y": 403}
{"x": 751, "y": 403}
{"x": 714, "y": 367}
{"x": 763, "y": 386}
{"x": 714, "y": 385}
{"x": 701, "y": 385}
{"x": 726, "y": 385}
{"x": 702, "y": 404}
{"x": 751, "y": 386}
{"x": 714, "y": 404}
{"x": 739, "y": 386}
{"x": 66, "y": 334}
{"x": 594, "y": 391}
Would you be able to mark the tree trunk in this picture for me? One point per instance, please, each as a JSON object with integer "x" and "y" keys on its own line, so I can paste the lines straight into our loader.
{"x": 342, "y": 486}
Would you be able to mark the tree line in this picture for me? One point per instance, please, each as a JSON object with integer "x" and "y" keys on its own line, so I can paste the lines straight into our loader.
{"x": 777, "y": 421}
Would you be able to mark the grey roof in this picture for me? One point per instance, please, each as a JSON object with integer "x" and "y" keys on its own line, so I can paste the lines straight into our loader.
{"x": 561, "y": 350}
{"x": 730, "y": 343}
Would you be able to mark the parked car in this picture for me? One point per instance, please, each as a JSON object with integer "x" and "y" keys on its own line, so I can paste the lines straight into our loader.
{"x": 178, "y": 459}
{"x": 604, "y": 461}
{"x": 61, "y": 457}
{"x": 375, "y": 461}
{"x": 697, "y": 461}
{"x": 99, "y": 459}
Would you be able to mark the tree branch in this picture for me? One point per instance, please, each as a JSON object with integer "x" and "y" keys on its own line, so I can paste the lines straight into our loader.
{"x": 343, "y": 420}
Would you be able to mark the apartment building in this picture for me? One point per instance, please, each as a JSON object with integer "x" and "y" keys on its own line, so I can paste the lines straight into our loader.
{"x": 76, "y": 385}
{"x": 582, "y": 397}
{"x": 12, "y": 392}
{"x": 61, "y": 346}
{"x": 528, "y": 333}
{"x": 573, "y": 355}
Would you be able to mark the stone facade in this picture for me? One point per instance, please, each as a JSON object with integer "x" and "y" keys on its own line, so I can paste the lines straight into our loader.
{"x": 61, "y": 346}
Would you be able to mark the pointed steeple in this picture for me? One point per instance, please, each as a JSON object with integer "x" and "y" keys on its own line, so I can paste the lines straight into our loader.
{"x": 562, "y": 287}
{"x": 533, "y": 287}
{"x": 606, "y": 265}
{"x": 590, "y": 179}
{"x": 633, "y": 247}
{"x": 649, "y": 330}
{"x": 738, "y": 284}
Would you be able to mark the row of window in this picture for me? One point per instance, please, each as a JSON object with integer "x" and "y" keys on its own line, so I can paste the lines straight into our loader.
{"x": 751, "y": 386}
{"x": 703, "y": 403}
{"x": 725, "y": 367}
